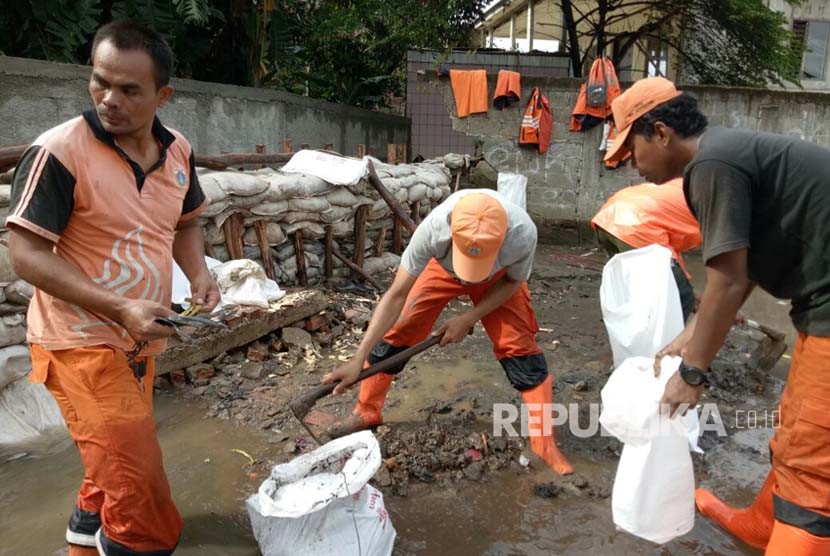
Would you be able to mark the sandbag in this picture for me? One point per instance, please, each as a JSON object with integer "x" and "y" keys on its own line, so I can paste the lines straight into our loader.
{"x": 213, "y": 234}
{"x": 289, "y": 186}
{"x": 243, "y": 282}
{"x": 216, "y": 208}
{"x": 376, "y": 265}
{"x": 211, "y": 188}
{"x": 336, "y": 213}
{"x": 341, "y": 196}
{"x": 27, "y": 409}
{"x": 324, "y": 492}
{"x": 237, "y": 184}
{"x": 292, "y": 217}
{"x": 379, "y": 210}
{"x": 273, "y": 233}
{"x": 6, "y": 272}
{"x": 632, "y": 281}
{"x": 314, "y": 204}
{"x": 271, "y": 208}
{"x": 12, "y": 330}
{"x": 455, "y": 161}
{"x": 5, "y": 195}
{"x": 343, "y": 228}
{"x": 221, "y": 253}
{"x": 417, "y": 193}
{"x": 15, "y": 364}
{"x": 310, "y": 229}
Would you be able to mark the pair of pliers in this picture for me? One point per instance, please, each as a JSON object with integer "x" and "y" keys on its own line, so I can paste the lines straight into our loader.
{"x": 194, "y": 309}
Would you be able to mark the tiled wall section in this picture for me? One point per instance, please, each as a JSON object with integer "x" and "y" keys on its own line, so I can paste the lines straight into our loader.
{"x": 432, "y": 132}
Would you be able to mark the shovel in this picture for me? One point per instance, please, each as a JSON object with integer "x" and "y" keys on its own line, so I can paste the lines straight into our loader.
{"x": 302, "y": 405}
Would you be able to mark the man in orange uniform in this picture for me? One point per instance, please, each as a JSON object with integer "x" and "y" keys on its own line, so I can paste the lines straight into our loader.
{"x": 649, "y": 214}
{"x": 476, "y": 244}
{"x": 102, "y": 205}
{"x": 763, "y": 204}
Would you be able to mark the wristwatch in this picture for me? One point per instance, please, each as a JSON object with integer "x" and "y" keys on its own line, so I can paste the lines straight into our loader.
{"x": 693, "y": 376}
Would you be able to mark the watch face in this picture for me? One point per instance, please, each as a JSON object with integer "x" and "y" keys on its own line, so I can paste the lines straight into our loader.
{"x": 692, "y": 377}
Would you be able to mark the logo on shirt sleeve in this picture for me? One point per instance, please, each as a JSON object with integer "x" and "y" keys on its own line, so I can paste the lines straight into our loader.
{"x": 181, "y": 177}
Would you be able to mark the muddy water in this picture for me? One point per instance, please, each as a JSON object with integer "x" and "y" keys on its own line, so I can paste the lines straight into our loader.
{"x": 498, "y": 516}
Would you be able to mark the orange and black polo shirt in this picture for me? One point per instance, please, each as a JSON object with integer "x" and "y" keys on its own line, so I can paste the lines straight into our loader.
{"x": 107, "y": 217}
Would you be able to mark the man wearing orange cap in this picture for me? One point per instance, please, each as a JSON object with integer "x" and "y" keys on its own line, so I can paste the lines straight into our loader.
{"x": 478, "y": 244}
{"x": 763, "y": 203}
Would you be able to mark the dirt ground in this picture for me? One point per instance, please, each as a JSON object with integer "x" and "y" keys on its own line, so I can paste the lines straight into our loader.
{"x": 450, "y": 485}
{"x": 438, "y": 431}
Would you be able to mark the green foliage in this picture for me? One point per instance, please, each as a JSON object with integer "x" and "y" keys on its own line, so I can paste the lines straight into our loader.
{"x": 727, "y": 42}
{"x": 350, "y": 51}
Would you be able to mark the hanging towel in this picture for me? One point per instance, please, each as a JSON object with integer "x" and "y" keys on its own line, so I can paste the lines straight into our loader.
{"x": 470, "y": 90}
{"x": 508, "y": 89}
{"x": 593, "y": 104}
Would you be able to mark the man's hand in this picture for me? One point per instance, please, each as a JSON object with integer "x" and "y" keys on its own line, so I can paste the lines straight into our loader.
{"x": 205, "y": 292}
{"x": 678, "y": 393}
{"x": 455, "y": 329}
{"x": 677, "y": 347}
{"x": 139, "y": 316}
{"x": 346, "y": 373}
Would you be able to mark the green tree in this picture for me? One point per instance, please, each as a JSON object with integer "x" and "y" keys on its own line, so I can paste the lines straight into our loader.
{"x": 730, "y": 42}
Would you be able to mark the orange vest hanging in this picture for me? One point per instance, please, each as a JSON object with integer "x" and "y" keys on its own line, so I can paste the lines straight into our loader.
{"x": 537, "y": 123}
{"x": 593, "y": 103}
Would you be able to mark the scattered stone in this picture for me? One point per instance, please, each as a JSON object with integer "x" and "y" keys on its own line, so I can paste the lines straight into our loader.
{"x": 383, "y": 477}
{"x": 473, "y": 454}
{"x": 474, "y": 471}
{"x": 289, "y": 448}
{"x": 257, "y": 352}
{"x": 547, "y": 490}
{"x": 200, "y": 375}
{"x": 276, "y": 345}
{"x": 580, "y": 386}
{"x": 298, "y": 337}
{"x": 251, "y": 370}
{"x": 316, "y": 322}
{"x": 178, "y": 378}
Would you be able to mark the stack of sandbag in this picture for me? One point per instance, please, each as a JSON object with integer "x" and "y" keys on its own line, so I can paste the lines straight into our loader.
{"x": 287, "y": 202}
{"x": 15, "y": 295}
{"x": 5, "y": 196}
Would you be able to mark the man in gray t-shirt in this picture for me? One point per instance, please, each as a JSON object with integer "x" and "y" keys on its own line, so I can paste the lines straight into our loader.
{"x": 763, "y": 203}
{"x": 476, "y": 244}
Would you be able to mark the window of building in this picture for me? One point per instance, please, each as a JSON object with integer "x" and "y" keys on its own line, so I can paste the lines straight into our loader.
{"x": 815, "y": 35}
{"x": 657, "y": 58}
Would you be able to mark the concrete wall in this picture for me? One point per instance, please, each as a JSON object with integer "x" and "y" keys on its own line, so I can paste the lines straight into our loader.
{"x": 568, "y": 184}
{"x": 432, "y": 132}
{"x": 35, "y": 96}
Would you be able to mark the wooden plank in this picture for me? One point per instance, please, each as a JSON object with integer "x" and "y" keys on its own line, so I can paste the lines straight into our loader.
{"x": 361, "y": 151}
{"x": 356, "y": 268}
{"x": 397, "y": 237}
{"x": 328, "y": 263}
{"x": 260, "y": 149}
{"x": 286, "y": 146}
{"x": 299, "y": 254}
{"x": 400, "y": 153}
{"x": 360, "y": 235}
{"x": 260, "y": 226}
{"x": 391, "y": 153}
{"x": 416, "y": 212}
{"x": 253, "y": 324}
{"x": 233, "y": 236}
{"x": 393, "y": 203}
{"x": 379, "y": 241}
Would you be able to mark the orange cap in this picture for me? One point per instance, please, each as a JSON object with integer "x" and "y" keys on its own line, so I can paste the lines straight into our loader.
{"x": 479, "y": 225}
{"x": 643, "y": 96}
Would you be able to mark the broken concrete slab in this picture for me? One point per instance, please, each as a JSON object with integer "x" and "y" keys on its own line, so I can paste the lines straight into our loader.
{"x": 297, "y": 337}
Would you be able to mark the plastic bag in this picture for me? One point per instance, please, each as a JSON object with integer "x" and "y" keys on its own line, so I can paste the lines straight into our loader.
{"x": 513, "y": 187}
{"x": 338, "y": 170}
{"x": 640, "y": 303}
{"x": 243, "y": 282}
{"x": 320, "y": 505}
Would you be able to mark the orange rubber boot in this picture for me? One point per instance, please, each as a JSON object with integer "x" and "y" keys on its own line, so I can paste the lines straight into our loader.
{"x": 753, "y": 525}
{"x": 788, "y": 540}
{"x": 542, "y": 441}
{"x": 368, "y": 411}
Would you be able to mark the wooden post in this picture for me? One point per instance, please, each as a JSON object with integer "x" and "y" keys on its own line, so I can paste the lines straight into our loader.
{"x": 360, "y": 235}
{"x": 299, "y": 254}
{"x": 393, "y": 203}
{"x": 286, "y": 146}
{"x": 356, "y": 268}
{"x": 457, "y": 181}
{"x": 397, "y": 237}
{"x": 233, "y": 236}
{"x": 260, "y": 149}
{"x": 400, "y": 153}
{"x": 391, "y": 153}
{"x": 328, "y": 263}
{"x": 361, "y": 151}
{"x": 416, "y": 212}
{"x": 379, "y": 241}
{"x": 264, "y": 248}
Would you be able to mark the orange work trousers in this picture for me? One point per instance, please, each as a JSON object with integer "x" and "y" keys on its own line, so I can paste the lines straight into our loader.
{"x": 801, "y": 447}
{"x": 109, "y": 414}
{"x": 512, "y": 327}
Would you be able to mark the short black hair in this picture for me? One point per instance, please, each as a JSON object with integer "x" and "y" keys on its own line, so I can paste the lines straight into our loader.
{"x": 129, "y": 35}
{"x": 680, "y": 113}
